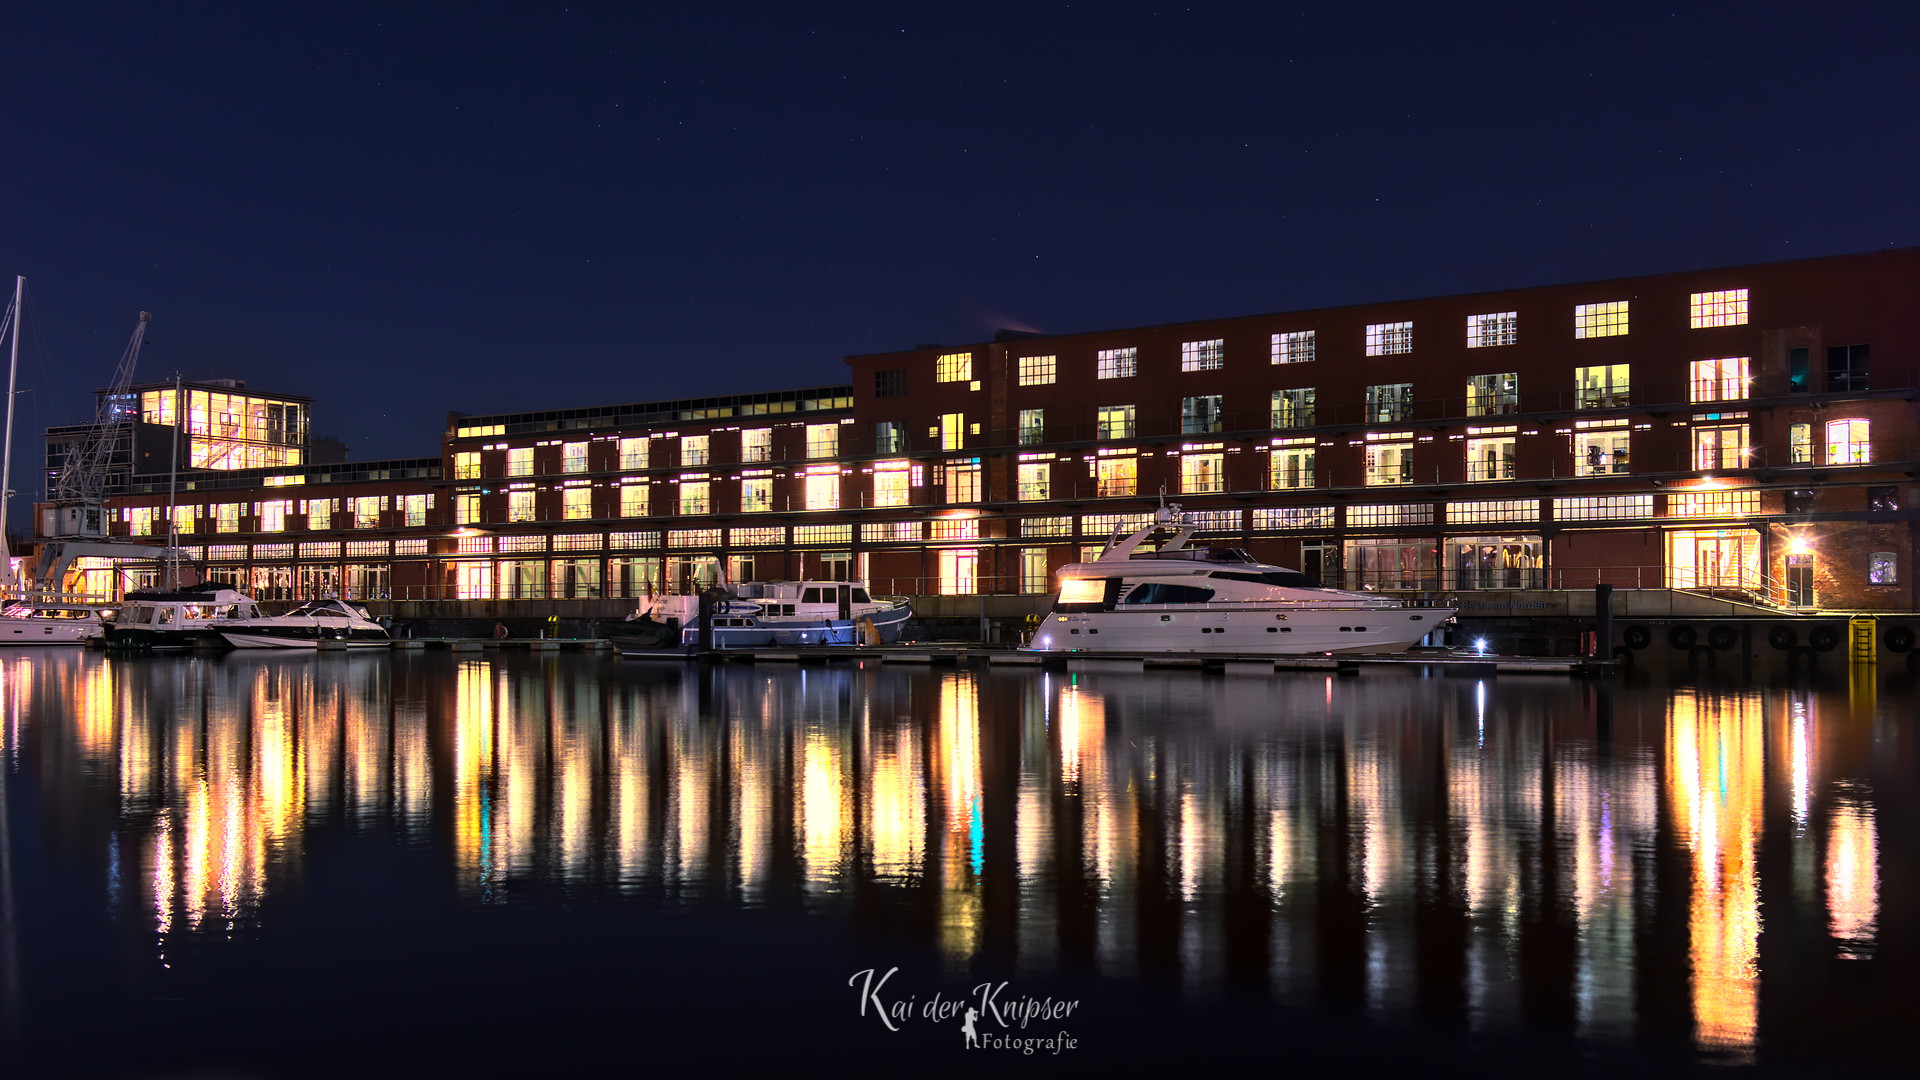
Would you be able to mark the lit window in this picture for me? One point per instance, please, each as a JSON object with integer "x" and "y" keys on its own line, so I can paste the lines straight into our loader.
{"x": 693, "y": 450}
{"x": 1116, "y": 363}
{"x": 1498, "y": 329}
{"x": 1847, "y": 443}
{"x": 1033, "y": 571}
{"x": 1723, "y": 447}
{"x": 1724, "y": 379}
{"x": 1384, "y": 339}
{"x": 695, "y": 497}
{"x": 466, "y": 508}
{"x": 520, "y": 461}
{"x": 520, "y": 506}
{"x": 1036, "y": 370}
{"x": 953, "y": 367}
{"x": 756, "y": 494}
{"x": 633, "y": 501}
{"x": 416, "y": 508}
{"x": 1489, "y": 395}
{"x": 1389, "y": 403}
{"x": 756, "y": 444}
{"x": 1602, "y": 450}
{"x": 1201, "y": 473}
{"x": 823, "y": 440}
{"x": 963, "y": 481}
{"x": 1600, "y": 320}
{"x": 1490, "y": 458}
{"x": 576, "y": 503}
{"x": 1200, "y": 415}
{"x": 1389, "y": 460}
{"x": 1291, "y": 467}
{"x": 226, "y": 518}
{"x": 1293, "y": 348}
{"x": 1116, "y": 421}
{"x": 890, "y": 483}
{"x": 366, "y": 512}
{"x": 573, "y": 457}
{"x": 1883, "y": 568}
{"x": 889, "y": 437}
{"x": 953, "y": 431}
{"x": 1033, "y": 426}
{"x": 1292, "y": 408}
{"x": 1116, "y": 476}
{"x": 1800, "y": 444}
{"x": 1036, "y": 481}
{"x": 957, "y": 569}
{"x": 466, "y": 465}
{"x": 633, "y": 453}
{"x": 1727, "y": 307}
{"x": 1602, "y": 386}
{"x": 273, "y": 515}
{"x": 1203, "y": 355}
{"x": 823, "y": 487}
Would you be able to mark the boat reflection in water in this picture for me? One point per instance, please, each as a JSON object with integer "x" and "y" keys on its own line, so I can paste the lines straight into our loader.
{"x": 1520, "y": 857}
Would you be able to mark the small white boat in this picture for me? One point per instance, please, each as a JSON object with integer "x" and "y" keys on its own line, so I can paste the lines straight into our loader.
{"x": 332, "y": 620}
{"x": 41, "y": 622}
{"x": 776, "y": 613}
{"x": 1180, "y": 599}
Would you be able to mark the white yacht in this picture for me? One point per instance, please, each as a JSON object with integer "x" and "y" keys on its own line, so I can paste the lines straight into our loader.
{"x": 180, "y": 618}
{"x": 774, "y": 613}
{"x": 38, "y": 622}
{"x": 330, "y": 620}
{"x": 1180, "y": 599}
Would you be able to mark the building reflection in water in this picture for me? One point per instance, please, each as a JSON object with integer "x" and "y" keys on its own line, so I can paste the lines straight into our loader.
{"x": 1517, "y": 855}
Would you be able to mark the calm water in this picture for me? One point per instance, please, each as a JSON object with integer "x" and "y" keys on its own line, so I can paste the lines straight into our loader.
{"x": 317, "y": 865}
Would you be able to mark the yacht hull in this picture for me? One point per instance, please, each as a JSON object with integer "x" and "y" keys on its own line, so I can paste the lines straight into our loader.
{"x": 749, "y": 631}
{"x": 302, "y": 638}
{"x": 1248, "y": 632}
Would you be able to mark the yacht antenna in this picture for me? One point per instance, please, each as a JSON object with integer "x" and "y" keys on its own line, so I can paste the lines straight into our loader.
{"x": 173, "y": 488}
{"x": 6, "y": 459}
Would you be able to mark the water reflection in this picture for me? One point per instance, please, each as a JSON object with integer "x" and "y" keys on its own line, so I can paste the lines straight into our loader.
{"x": 1546, "y": 856}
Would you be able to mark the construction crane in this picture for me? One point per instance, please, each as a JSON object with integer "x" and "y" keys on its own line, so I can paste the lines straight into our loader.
{"x": 77, "y": 499}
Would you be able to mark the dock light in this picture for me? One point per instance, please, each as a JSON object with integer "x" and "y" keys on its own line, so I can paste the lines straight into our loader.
{"x": 1798, "y": 546}
{"x": 1480, "y": 645}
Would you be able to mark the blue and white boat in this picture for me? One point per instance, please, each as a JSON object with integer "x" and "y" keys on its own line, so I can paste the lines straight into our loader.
{"x": 781, "y": 613}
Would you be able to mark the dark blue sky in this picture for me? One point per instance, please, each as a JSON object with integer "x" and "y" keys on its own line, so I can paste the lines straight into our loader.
{"x": 404, "y": 209}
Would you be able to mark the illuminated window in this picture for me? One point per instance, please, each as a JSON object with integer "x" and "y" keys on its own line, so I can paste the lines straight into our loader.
{"x": 520, "y": 461}
{"x": 415, "y": 507}
{"x": 756, "y": 444}
{"x": 1116, "y": 363}
{"x": 1601, "y": 320}
{"x": 366, "y": 512}
{"x": 520, "y": 506}
{"x": 1033, "y": 426}
{"x": 1036, "y": 370}
{"x": 823, "y": 440}
{"x": 1722, "y": 447}
{"x": 1603, "y": 508}
{"x": 576, "y": 503}
{"x": 1036, "y": 481}
{"x": 1291, "y": 466}
{"x": 1800, "y": 444}
{"x": 1601, "y": 386}
{"x": 891, "y": 483}
{"x": 1200, "y": 415}
{"x": 633, "y": 453}
{"x": 1389, "y": 403}
{"x": 823, "y": 487}
{"x": 1385, "y": 339}
{"x": 1292, "y": 408}
{"x": 1883, "y": 568}
{"x": 957, "y": 571}
{"x": 1490, "y": 395}
{"x": 953, "y": 431}
{"x": 1724, "y": 379}
{"x": 1201, "y": 473}
{"x": 1203, "y": 355}
{"x": 1601, "y": 450}
{"x": 889, "y": 437}
{"x": 573, "y": 457}
{"x": 756, "y": 494}
{"x": 1033, "y": 571}
{"x": 693, "y": 450}
{"x": 1727, "y": 307}
{"x": 1498, "y": 329}
{"x": 1293, "y": 348}
{"x": 953, "y": 367}
{"x": 963, "y": 481}
{"x": 466, "y": 465}
{"x": 633, "y": 501}
{"x": 695, "y": 497}
{"x": 1116, "y": 476}
{"x": 1847, "y": 443}
{"x": 1490, "y": 457}
{"x": 1115, "y": 421}
{"x": 466, "y": 508}
{"x": 1713, "y": 503}
{"x": 1389, "y": 458}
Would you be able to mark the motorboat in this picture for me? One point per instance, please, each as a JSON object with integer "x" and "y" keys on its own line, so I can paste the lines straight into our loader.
{"x": 760, "y": 614}
{"x": 330, "y": 620}
{"x": 1180, "y": 599}
{"x": 178, "y": 618}
{"x": 44, "y": 622}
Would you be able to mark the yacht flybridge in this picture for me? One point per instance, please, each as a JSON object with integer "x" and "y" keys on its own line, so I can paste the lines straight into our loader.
{"x": 1180, "y": 599}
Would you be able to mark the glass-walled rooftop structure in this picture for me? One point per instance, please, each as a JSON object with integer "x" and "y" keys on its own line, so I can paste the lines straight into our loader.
{"x": 228, "y": 428}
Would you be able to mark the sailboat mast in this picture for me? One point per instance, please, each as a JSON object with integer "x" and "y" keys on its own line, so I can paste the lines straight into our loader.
{"x": 6, "y": 459}
{"x": 173, "y": 488}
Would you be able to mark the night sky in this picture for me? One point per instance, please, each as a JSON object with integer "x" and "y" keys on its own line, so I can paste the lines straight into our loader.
{"x": 401, "y": 209}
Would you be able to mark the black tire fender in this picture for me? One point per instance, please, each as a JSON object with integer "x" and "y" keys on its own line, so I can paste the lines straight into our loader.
{"x": 1638, "y": 637}
{"x": 1723, "y": 637}
{"x": 1682, "y": 637}
{"x": 1823, "y": 638}
{"x": 1783, "y": 637}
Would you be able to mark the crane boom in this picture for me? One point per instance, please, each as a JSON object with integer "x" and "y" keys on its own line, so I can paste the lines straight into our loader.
{"x": 84, "y": 478}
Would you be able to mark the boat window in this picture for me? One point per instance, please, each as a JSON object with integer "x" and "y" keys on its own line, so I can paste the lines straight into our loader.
{"x": 1227, "y": 555}
{"x": 811, "y": 596}
{"x": 1288, "y": 578}
{"x": 860, "y": 597}
{"x": 1160, "y": 592}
